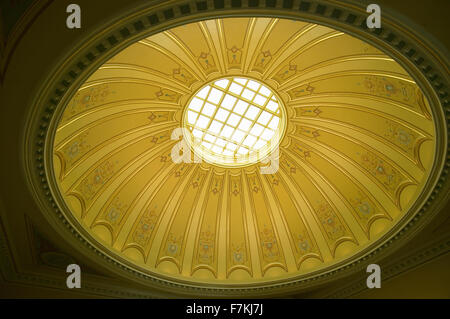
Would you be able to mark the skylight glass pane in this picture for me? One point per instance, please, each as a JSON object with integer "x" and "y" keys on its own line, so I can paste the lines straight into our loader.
{"x": 244, "y": 125}
{"x": 203, "y": 92}
{"x": 217, "y": 149}
{"x": 257, "y": 129}
{"x": 196, "y": 104}
{"x": 249, "y": 141}
{"x": 242, "y": 151}
{"x": 248, "y": 94}
{"x": 227, "y": 131}
{"x": 192, "y": 117}
{"x": 274, "y": 123}
{"x": 252, "y": 112}
{"x": 253, "y": 85}
{"x": 260, "y": 144}
{"x": 240, "y": 107}
{"x": 214, "y": 96}
{"x": 264, "y": 118}
{"x": 202, "y": 122}
{"x": 222, "y": 83}
{"x": 233, "y": 120}
{"x": 208, "y": 109}
{"x": 206, "y": 145}
{"x": 264, "y": 91}
{"x": 221, "y": 142}
{"x": 236, "y": 88}
{"x": 260, "y": 100}
{"x": 209, "y": 138}
{"x": 228, "y": 102}
{"x": 222, "y": 114}
{"x": 197, "y": 133}
{"x": 215, "y": 127}
{"x": 267, "y": 134}
{"x": 238, "y": 136}
{"x": 273, "y": 106}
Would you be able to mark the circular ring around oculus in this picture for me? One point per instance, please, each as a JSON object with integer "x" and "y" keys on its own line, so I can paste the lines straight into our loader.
{"x": 234, "y": 121}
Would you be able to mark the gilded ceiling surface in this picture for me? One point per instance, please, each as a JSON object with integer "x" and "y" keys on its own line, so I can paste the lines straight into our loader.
{"x": 356, "y": 151}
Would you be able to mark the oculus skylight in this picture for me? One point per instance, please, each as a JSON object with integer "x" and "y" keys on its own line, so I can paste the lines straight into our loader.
{"x": 234, "y": 121}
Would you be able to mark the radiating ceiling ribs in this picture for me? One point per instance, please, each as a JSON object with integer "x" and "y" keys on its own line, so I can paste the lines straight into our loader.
{"x": 380, "y": 143}
{"x": 359, "y": 144}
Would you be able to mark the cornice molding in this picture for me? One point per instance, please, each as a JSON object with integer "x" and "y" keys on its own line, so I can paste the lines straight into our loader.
{"x": 92, "y": 287}
{"x": 81, "y": 61}
{"x": 413, "y": 260}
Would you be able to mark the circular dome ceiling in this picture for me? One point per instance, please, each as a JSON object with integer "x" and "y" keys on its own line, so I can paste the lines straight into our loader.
{"x": 356, "y": 147}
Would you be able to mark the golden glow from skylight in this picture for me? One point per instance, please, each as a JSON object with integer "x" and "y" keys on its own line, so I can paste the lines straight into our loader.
{"x": 234, "y": 121}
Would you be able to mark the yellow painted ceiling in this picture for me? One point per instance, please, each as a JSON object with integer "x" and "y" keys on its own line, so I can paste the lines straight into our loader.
{"x": 357, "y": 149}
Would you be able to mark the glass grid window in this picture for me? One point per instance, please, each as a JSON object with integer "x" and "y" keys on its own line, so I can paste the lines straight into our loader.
{"x": 234, "y": 121}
